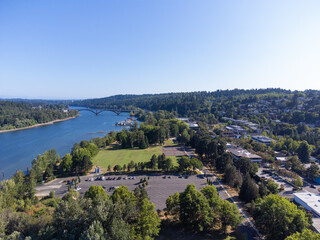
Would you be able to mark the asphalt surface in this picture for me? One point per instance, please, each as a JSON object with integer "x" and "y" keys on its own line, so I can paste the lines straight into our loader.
{"x": 159, "y": 188}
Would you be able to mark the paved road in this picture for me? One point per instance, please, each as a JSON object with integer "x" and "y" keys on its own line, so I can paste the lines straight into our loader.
{"x": 246, "y": 225}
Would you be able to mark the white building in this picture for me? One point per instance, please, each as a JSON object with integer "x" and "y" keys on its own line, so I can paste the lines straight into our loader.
{"x": 238, "y": 152}
{"x": 309, "y": 201}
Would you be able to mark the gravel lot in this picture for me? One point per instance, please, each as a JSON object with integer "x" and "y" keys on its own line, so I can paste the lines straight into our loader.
{"x": 159, "y": 187}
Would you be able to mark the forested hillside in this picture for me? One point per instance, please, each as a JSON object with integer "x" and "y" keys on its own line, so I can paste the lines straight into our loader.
{"x": 256, "y": 105}
{"x": 18, "y": 114}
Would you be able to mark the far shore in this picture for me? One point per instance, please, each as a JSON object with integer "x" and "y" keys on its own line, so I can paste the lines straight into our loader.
{"x": 39, "y": 125}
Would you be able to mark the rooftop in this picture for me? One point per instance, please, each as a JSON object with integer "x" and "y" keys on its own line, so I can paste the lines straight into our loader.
{"x": 262, "y": 139}
{"x": 310, "y": 199}
{"x": 240, "y": 152}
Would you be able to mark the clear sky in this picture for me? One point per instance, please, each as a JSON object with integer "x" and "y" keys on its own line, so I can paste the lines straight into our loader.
{"x": 87, "y": 49}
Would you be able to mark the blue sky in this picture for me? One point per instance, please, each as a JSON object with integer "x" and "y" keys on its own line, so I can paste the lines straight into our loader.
{"x": 87, "y": 49}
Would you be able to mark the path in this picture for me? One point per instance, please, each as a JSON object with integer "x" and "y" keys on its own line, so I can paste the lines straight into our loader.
{"x": 247, "y": 225}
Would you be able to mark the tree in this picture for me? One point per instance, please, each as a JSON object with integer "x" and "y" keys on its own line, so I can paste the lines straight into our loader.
{"x": 92, "y": 148}
{"x": 276, "y": 217}
{"x": 196, "y": 164}
{"x": 245, "y": 166}
{"x": 131, "y": 165}
{"x": 167, "y": 164}
{"x": 298, "y": 182}
{"x": 223, "y": 161}
{"x": 148, "y": 223}
{"x": 233, "y": 177}
{"x": 210, "y": 192}
{"x": 94, "y": 232}
{"x": 144, "y": 143}
{"x": 122, "y": 193}
{"x": 273, "y": 187}
{"x": 313, "y": 171}
{"x": 195, "y": 212}
{"x": 96, "y": 192}
{"x": 86, "y": 164}
{"x": 307, "y": 234}
{"x": 249, "y": 190}
{"x": 66, "y": 164}
{"x": 184, "y": 137}
{"x": 117, "y": 168}
{"x": 80, "y": 160}
{"x": 263, "y": 191}
{"x": 304, "y": 152}
{"x": 153, "y": 162}
{"x": 184, "y": 163}
{"x": 173, "y": 204}
{"x": 229, "y": 215}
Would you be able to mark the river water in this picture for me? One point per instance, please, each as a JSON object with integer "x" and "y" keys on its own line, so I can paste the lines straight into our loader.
{"x": 19, "y": 148}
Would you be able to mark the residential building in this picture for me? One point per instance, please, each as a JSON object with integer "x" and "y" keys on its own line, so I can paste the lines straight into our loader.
{"x": 263, "y": 139}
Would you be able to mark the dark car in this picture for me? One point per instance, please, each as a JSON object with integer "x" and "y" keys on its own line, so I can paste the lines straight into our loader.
{"x": 118, "y": 178}
{"x": 313, "y": 186}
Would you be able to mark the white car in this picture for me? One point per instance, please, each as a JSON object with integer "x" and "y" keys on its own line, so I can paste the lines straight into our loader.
{"x": 78, "y": 189}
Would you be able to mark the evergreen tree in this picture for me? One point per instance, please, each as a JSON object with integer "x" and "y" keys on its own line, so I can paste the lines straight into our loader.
{"x": 249, "y": 190}
{"x": 304, "y": 152}
{"x": 195, "y": 211}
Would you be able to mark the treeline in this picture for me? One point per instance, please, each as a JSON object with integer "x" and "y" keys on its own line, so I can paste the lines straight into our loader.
{"x": 206, "y": 146}
{"x": 274, "y": 216}
{"x": 202, "y": 211}
{"x": 144, "y": 135}
{"x": 123, "y": 215}
{"x": 162, "y": 163}
{"x": 203, "y": 106}
{"x": 78, "y": 162}
{"x": 18, "y": 114}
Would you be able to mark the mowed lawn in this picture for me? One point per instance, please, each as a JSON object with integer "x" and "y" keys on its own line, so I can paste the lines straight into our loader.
{"x": 114, "y": 155}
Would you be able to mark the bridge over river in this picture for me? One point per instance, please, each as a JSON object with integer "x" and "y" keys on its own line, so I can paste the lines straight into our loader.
{"x": 98, "y": 111}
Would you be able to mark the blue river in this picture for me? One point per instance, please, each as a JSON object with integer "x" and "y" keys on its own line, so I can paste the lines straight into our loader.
{"x": 19, "y": 148}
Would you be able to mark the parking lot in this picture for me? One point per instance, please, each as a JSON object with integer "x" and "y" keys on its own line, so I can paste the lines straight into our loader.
{"x": 288, "y": 189}
{"x": 159, "y": 187}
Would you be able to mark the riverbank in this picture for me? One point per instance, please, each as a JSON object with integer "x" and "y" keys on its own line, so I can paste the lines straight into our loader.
{"x": 39, "y": 125}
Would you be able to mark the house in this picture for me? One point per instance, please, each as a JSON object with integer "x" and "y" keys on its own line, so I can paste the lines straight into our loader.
{"x": 192, "y": 125}
{"x": 263, "y": 139}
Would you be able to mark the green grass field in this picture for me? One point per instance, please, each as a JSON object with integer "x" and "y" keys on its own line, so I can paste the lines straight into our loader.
{"x": 114, "y": 155}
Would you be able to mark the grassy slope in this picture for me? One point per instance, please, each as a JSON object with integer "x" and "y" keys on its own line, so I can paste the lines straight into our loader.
{"x": 114, "y": 155}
